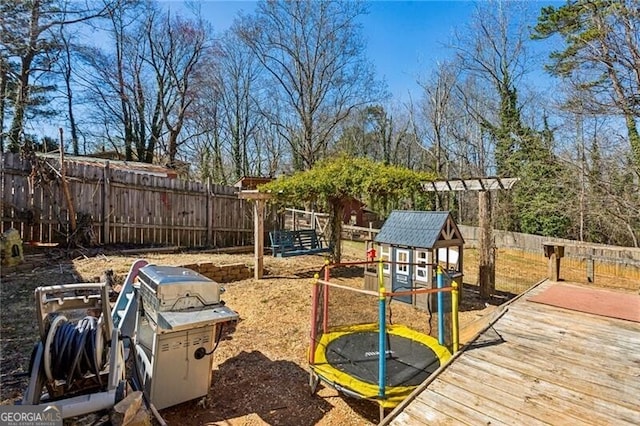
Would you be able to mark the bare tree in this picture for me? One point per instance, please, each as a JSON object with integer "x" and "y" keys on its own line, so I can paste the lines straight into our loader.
{"x": 472, "y": 146}
{"x": 315, "y": 54}
{"x": 204, "y": 124}
{"x": 380, "y": 134}
{"x": 114, "y": 82}
{"x": 141, "y": 85}
{"x": 492, "y": 54}
{"x": 176, "y": 47}
{"x": 239, "y": 74}
{"x": 493, "y": 50}
{"x": 66, "y": 68}
{"x": 29, "y": 37}
{"x": 437, "y": 109}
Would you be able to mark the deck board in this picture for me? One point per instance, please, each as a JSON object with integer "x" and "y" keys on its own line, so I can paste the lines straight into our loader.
{"x": 522, "y": 385}
{"x": 588, "y": 320}
{"x": 574, "y": 324}
{"x": 582, "y": 356}
{"x": 437, "y": 403}
{"x": 423, "y": 413}
{"x": 501, "y": 405}
{"x": 589, "y": 348}
{"x": 537, "y": 364}
{"x": 535, "y": 361}
{"x": 585, "y": 381}
{"x": 550, "y": 334}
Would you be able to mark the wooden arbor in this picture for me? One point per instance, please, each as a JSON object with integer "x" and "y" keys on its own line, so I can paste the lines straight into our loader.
{"x": 259, "y": 199}
{"x": 484, "y": 186}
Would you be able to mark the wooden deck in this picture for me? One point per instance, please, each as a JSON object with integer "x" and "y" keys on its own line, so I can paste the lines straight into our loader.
{"x": 536, "y": 364}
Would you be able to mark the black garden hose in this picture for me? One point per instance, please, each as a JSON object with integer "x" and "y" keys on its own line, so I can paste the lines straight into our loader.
{"x": 73, "y": 350}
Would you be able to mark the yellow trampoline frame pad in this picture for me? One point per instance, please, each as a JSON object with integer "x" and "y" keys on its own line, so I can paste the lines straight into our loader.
{"x": 393, "y": 395}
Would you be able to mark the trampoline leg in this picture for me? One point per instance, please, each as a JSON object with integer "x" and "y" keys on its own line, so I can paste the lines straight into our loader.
{"x": 313, "y": 382}
{"x": 381, "y": 413}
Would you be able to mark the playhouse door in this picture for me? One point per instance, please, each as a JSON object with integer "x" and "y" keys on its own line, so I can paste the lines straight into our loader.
{"x": 402, "y": 275}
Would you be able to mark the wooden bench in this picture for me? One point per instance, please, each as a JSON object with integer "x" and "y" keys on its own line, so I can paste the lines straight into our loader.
{"x": 286, "y": 243}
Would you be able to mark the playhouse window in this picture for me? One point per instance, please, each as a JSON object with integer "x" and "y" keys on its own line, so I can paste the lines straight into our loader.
{"x": 448, "y": 258}
{"x": 384, "y": 255}
{"x": 402, "y": 256}
{"x": 422, "y": 268}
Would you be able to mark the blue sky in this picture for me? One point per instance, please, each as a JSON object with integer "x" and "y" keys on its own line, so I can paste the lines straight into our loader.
{"x": 405, "y": 39}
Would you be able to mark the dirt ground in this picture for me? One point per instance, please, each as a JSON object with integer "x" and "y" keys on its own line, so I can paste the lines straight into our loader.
{"x": 260, "y": 373}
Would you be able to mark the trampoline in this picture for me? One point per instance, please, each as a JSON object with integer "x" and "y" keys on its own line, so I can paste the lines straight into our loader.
{"x": 380, "y": 361}
{"x": 348, "y": 359}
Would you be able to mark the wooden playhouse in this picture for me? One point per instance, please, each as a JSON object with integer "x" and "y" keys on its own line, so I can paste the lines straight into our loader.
{"x": 412, "y": 243}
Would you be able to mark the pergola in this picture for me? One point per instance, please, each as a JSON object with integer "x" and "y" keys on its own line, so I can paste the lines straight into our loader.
{"x": 483, "y": 185}
{"x": 486, "y": 273}
{"x": 259, "y": 199}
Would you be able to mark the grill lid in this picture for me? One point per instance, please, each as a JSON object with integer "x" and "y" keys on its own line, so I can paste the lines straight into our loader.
{"x": 154, "y": 276}
{"x": 174, "y": 288}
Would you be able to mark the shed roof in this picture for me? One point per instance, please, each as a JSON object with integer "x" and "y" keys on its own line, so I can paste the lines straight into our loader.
{"x": 129, "y": 166}
{"x": 421, "y": 229}
{"x": 252, "y": 182}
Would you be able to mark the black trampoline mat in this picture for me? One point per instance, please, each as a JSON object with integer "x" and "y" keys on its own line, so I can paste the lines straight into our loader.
{"x": 409, "y": 362}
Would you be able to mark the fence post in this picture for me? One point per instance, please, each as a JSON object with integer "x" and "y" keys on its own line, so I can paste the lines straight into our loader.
{"x": 106, "y": 202}
{"x": 258, "y": 215}
{"x": 591, "y": 276}
{"x": 486, "y": 255}
{"x": 209, "y": 214}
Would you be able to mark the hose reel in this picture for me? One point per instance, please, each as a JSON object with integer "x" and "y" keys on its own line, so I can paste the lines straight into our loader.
{"x": 79, "y": 362}
{"x": 71, "y": 351}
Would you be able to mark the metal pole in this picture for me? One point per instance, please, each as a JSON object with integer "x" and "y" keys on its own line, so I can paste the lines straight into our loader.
{"x": 382, "y": 355}
{"x": 325, "y": 304}
{"x": 454, "y": 316}
{"x": 440, "y": 284}
{"x": 314, "y": 317}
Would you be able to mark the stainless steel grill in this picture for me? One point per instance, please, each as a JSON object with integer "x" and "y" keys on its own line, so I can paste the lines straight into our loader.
{"x": 179, "y": 323}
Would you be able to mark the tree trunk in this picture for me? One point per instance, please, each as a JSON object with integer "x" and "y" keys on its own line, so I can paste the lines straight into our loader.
{"x": 236, "y": 150}
{"x": 72, "y": 120}
{"x": 634, "y": 140}
{"x": 22, "y": 93}
{"x": 172, "y": 148}
{"x": 22, "y": 96}
{"x": 156, "y": 131}
{"x": 69, "y": 92}
{"x": 4, "y": 75}
{"x": 487, "y": 269}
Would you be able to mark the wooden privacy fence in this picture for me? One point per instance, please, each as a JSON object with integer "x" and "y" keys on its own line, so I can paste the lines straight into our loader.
{"x": 624, "y": 256}
{"x": 609, "y": 265}
{"x": 120, "y": 203}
